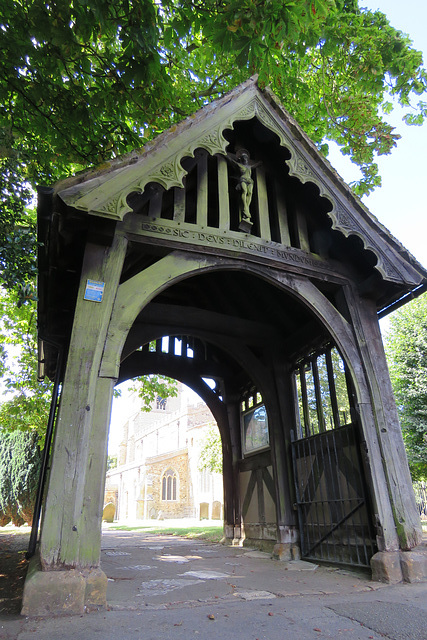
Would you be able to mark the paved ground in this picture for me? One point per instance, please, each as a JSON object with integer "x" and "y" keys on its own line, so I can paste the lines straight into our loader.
{"x": 166, "y": 588}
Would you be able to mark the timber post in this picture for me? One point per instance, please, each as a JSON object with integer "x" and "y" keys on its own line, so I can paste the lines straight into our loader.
{"x": 287, "y": 547}
{"x": 68, "y": 563}
{"x": 398, "y": 487}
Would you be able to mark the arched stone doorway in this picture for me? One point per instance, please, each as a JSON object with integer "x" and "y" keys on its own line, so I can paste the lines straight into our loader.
{"x": 163, "y": 244}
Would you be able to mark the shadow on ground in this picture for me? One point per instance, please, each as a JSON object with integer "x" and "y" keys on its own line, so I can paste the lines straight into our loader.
{"x": 13, "y": 569}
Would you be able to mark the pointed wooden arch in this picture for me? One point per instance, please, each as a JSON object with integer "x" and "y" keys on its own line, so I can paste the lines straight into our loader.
{"x": 134, "y": 294}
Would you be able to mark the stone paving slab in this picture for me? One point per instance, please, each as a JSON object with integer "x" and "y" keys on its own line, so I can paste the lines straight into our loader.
{"x": 167, "y": 571}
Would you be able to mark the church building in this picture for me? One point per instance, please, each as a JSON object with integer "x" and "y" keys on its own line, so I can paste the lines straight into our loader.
{"x": 158, "y": 473}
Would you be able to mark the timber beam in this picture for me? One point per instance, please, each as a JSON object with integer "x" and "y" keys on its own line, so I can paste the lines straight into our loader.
{"x": 165, "y": 319}
{"x": 252, "y": 332}
{"x": 144, "y": 362}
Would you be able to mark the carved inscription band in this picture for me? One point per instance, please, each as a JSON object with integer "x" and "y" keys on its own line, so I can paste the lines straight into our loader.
{"x": 228, "y": 242}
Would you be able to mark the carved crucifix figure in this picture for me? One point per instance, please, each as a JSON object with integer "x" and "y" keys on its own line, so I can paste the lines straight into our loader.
{"x": 245, "y": 183}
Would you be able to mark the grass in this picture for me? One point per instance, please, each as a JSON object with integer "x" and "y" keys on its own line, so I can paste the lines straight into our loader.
{"x": 15, "y": 531}
{"x": 209, "y": 533}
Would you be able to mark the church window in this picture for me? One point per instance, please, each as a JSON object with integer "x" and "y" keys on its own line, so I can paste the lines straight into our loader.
{"x": 169, "y": 482}
{"x": 161, "y": 403}
{"x": 205, "y": 481}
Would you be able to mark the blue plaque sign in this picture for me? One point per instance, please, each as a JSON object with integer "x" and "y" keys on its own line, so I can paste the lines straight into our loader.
{"x": 94, "y": 291}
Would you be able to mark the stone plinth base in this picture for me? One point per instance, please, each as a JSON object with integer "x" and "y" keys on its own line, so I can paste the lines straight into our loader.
{"x": 386, "y": 567}
{"x": 414, "y": 565}
{"x": 398, "y": 566}
{"x": 232, "y": 536}
{"x": 71, "y": 592}
{"x": 258, "y": 543}
{"x": 286, "y": 551}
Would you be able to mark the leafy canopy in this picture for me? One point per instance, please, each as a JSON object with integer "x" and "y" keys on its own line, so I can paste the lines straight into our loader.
{"x": 210, "y": 457}
{"x": 406, "y": 347}
{"x": 154, "y": 388}
{"x": 26, "y": 400}
{"x": 20, "y": 462}
{"x": 82, "y": 81}
{"x": 24, "y": 410}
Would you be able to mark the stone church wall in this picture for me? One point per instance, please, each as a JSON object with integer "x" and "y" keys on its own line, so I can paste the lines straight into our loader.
{"x": 182, "y": 507}
{"x": 151, "y": 443}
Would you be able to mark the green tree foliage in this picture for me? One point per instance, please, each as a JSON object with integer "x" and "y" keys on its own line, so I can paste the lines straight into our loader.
{"x": 82, "y": 82}
{"x": 20, "y": 462}
{"x": 152, "y": 388}
{"x": 26, "y": 400}
{"x": 406, "y": 348}
{"x": 17, "y": 222}
{"x": 111, "y": 462}
{"x": 211, "y": 451}
{"x": 341, "y": 392}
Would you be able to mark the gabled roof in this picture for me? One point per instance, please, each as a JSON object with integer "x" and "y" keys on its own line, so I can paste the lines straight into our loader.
{"x": 103, "y": 192}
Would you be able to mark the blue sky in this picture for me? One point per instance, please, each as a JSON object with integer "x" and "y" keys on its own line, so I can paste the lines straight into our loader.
{"x": 400, "y": 203}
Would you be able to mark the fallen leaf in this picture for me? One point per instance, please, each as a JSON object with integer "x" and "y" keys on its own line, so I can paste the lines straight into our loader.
{"x": 211, "y": 616}
{"x": 270, "y": 613}
{"x": 316, "y": 629}
{"x": 178, "y": 624}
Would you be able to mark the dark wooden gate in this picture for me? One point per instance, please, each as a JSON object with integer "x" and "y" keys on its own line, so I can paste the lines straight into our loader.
{"x": 331, "y": 499}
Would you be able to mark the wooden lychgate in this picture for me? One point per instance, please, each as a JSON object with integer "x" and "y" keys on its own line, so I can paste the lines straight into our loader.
{"x": 231, "y": 240}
